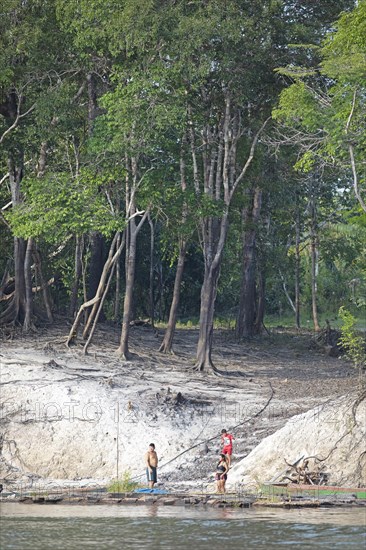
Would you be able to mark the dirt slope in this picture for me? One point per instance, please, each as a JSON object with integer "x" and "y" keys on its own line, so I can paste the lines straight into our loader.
{"x": 88, "y": 419}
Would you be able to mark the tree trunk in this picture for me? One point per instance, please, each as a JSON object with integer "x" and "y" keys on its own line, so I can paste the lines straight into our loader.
{"x": 208, "y": 298}
{"x": 44, "y": 286}
{"x": 108, "y": 265}
{"x": 123, "y": 350}
{"x": 245, "y": 323}
{"x": 219, "y": 182}
{"x": 132, "y": 230}
{"x": 19, "y": 257}
{"x": 96, "y": 239}
{"x": 28, "y": 324}
{"x": 314, "y": 286}
{"x": 117, "y": 294}
{"x": 15, "y": 312}
{"x": 216, "y": 233}
{"x": 167, "y": 343}
{"x": 99, "y": 309}
{"x": 297, "y": 269}
{"x": 314, "y": 264}
{"x": 259, "y": 321}
{"x": 158, "y": 302}
{"x": 289, "y": 299}
{"x": 96, "y": 264}
{"x": 151, "y": 275}
{"x": 113, "y": 257}
{"x": 77, "y": 274}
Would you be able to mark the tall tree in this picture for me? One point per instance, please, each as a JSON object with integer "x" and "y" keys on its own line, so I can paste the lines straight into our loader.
{"x": 27, "y": 77}
{"x": 245, "y": 324}
{"x": 323, "y": 111}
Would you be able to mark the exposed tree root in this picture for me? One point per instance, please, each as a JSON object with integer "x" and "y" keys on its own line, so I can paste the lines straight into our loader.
{"x": 10, "y": 314}
{"x": 358, "y": 401}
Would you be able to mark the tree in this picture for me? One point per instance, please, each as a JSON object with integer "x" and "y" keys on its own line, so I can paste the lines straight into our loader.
{"x": 27, "y": 77}
{"x": 323, "y": 111}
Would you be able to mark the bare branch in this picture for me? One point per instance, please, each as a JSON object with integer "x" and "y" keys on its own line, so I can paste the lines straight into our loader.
{"x": 109, "y": 201}
{"x": 249, "y": 159}
{"x": 352, "y": 155}
{"x": 355, "y": 178}
{"x": 349, "y": 119}
{"x": 6, "y": 206}
{"x": 17, "y": 118}
{"x": 4, "y": 178}
{"x": 135, "y": 188}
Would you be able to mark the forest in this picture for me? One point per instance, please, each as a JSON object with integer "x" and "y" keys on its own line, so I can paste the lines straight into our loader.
{"x": 182, "y": 162}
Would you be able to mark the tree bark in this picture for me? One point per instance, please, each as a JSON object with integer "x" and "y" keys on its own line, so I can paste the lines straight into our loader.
{"x": 219, "y": 184}
{"x": 207, "y": 310}
{"x": 259, "y": 320}
{"x": 289, "y": 299}
{"x": 297, "y": 268}
{"x": 15, "y": 312}
{"x": 44, "y": 286}
{"x": 79, "y": 245}
{"x": 167, "y": 343}
{"x": 96, "y": 263}
{"x": 245, "y": 323}
{"x": 133, "y": 230}
{"x": 151, "y": 274}
{"x": 99, "y": 308}
{"x": 113, "y": 257}
{"x": 19, "y": 296}
{"x": 123, "y": 349}
{"x": 314, "y": 264}
{"x": 117, "y": 294}
{"x": 28, "y": 321}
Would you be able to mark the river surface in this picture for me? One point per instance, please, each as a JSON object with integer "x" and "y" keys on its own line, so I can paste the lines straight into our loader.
{"x": 64, "y": 526}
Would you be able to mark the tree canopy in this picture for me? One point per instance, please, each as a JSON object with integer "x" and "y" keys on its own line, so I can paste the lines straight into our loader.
{"x": 189, "y": 160}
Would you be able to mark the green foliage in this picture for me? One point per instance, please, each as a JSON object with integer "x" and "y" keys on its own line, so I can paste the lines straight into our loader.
{"x": 73, "y": 206}
{"x": 352, "y": 340}
{"x": 298, "y": 103}
{"x": 344, "y": 51}
{"x": 149, "y": 61}
{"x": 123, "y": 485}
{"x": 326, "y": 111}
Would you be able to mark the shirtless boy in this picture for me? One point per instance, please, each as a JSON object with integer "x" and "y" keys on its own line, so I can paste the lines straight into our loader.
{"x": 151, "y": 459}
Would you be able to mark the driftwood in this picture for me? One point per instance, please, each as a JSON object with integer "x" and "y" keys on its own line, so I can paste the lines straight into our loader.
{"x": 307, "y": 471}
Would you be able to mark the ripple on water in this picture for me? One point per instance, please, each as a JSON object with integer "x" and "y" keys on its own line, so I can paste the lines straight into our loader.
{"x": 71, "y": 527}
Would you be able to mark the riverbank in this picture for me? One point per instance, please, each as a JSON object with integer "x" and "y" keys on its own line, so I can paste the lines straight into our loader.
{"x": 70, "y": 419}
{"x": 354, "y": 498}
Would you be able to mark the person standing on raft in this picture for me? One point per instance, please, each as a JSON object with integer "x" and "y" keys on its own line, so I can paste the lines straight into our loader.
{"x": 151, "y": 460}
{"x": 227, "y": 442}
{"x": 222, "y": 469}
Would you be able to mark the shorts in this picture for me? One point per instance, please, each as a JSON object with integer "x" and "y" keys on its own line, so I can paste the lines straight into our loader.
{"x": 227, "y": 450}
{"x": 153, "y": 475}
{"x": 220, "y": 477}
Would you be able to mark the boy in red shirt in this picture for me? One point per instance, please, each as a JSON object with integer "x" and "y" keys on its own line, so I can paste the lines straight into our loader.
{"x": 227, "y": 442}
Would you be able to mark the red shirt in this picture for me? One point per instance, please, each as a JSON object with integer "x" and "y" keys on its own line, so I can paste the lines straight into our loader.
{"x": 227, "y": 440}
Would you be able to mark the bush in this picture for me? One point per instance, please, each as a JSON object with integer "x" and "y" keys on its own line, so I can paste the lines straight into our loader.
{"x": 352, "y": 340}
{"x": 123, "y": 485}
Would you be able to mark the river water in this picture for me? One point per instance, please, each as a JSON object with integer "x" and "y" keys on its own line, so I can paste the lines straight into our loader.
{"x": 64, "y": 526}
